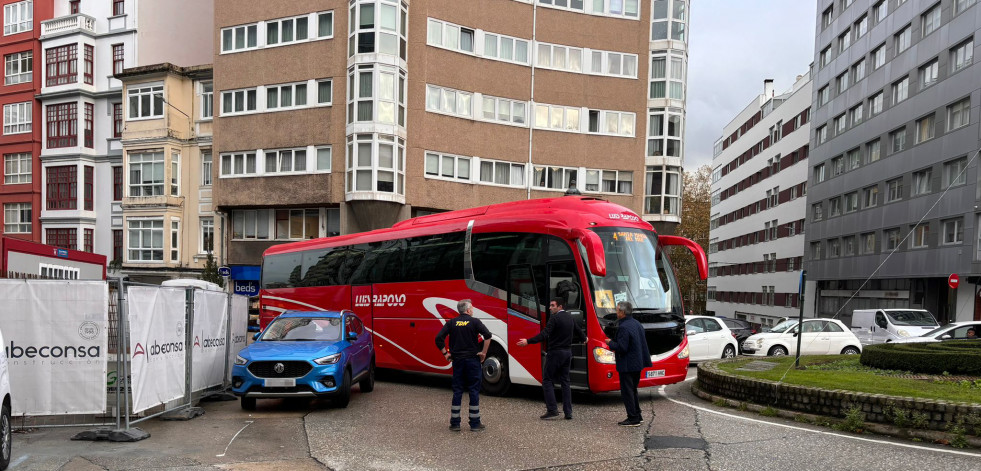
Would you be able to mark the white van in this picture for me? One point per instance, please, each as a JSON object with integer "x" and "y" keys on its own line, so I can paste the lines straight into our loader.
{"x": 192, "y": 283}
{"x": 873, "y": 326}
{"x": 6, "y": 431}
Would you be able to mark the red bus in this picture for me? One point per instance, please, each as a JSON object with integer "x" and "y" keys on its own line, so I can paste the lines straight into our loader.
{"x": 509, "y": 259}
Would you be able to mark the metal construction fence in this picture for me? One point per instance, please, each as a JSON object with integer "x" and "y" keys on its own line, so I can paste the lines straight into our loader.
{"x": 115, "y": 353}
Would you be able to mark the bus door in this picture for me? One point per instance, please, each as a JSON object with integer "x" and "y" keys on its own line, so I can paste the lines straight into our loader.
{"x": 525, "y": 319}
{"x": 363, "y": 305}
{"x": 563, "y": 282}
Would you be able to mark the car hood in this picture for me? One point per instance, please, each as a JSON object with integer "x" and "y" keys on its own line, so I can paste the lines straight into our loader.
{"x": 292, "y": 350}
{"x": 764, "y": 336}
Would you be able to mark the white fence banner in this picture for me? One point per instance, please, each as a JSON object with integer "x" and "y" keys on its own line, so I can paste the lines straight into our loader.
{"x": 240, "y": 327}
{"x": 157, "y": 338}
{"x": 208, "y": 347}
{"x": 55, "y": 339}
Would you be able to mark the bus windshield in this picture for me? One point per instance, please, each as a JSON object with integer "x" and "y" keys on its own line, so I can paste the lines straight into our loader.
{"x": 635, "y": 272}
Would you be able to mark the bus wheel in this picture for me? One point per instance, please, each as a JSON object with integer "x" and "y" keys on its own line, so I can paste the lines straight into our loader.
{"x": 496, "y": 379}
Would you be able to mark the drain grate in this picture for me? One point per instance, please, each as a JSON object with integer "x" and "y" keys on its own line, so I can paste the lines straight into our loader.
{"x": 660, "y": 443}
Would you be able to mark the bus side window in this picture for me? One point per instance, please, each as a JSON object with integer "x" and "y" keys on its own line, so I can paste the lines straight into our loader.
{"x": 521, "y": 291}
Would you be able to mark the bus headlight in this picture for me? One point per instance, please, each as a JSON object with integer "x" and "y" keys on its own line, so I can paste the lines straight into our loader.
{"x": 684, "y": 353}
{"x": 604, "y": 356}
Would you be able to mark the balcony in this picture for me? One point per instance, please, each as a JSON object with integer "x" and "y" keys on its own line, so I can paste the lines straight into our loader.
{"x": 68, "y": 24}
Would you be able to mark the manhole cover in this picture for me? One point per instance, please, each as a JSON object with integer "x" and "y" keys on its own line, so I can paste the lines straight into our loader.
{"x": 658, "y": 443}
{"x": 757, "y": 366}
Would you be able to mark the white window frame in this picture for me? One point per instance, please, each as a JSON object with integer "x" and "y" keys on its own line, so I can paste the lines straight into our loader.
{"x": 920, "y": 235}
{"x": 13, "y": 220}
{"x": 876, "y": 103}
{"x": 929, "y": 73}
{"x": 870, "y": 196}
{"x": 565, "y": 175}
{"x": 294, "y": 22}
{"x": 855, "y": 114}
{"x": 900, "y": 90}
{"x": 513, "y": 171}
{"x": 925, "y": 128}
{"x": 930, "y": 20}
{"x": 601, "y": 8}
{"x": 15, "y": 65}
{"x": 236, "y": 32}
{"x": 501, "y": 105}
{"x": 17, "y": 168}
{"x": 154, "y": 91}
{"x": 207, "y": 100}
{"x": 494, "y": 47}
{"x": 322, "y": 151}
{"x": 558, "y": 118}
{"x": 449, "y": 101}
{"x": 620, "y": 118}
{"x": 231, "y": 162}
{"x": 17, "y": 118}
{"x": 439, "y": 33}
{"x": 954, "y": 172}
{"x": 207, "y": 166}
{"x": 330, "y": 94}
{"x": 619, "y": 177}
{"x": 286, "y": 161}
{"x": 878, "y": 57}
{"x": 156, "y": 187}
{"x": 904, "y": 39}
{"x": 962, "y": 55}
{"x": 957, "y": 233}
{"x": 858, "y": 70}
{"x": 142, "y": 246}
{"x": 18, "y": 17}
{"x": 57, "y": 272}
{"x": 894, "y": 190}
{"x": 959, "y": 114}
{"x": 207, "y": 227}
{"x": 234, "y": 97}
{"x": 460, "y": 167}
{"x": 175, "y": 237}
{"x": 296, "y": 91}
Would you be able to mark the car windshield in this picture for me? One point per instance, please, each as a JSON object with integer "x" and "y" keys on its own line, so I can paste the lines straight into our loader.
{"x": 914, "y": 318}
{"x": 296, "y": 329}
{"x": 636, "y": 272}
{"x": 939, "y": 330}
{"x": 783, "y": 326}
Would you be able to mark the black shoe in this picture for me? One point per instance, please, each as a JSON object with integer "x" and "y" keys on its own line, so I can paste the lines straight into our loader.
{"x": 455, "y": 428}
{"x": 568, "y": 417}
{"x": 629, "y": 423}
{"x": 549, "y": 415}
{"x": 477, "y": 428}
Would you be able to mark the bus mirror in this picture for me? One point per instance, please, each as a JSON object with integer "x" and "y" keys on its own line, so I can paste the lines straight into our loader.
{"x": 594, "y": 252}
{"x": 700, "y": 259}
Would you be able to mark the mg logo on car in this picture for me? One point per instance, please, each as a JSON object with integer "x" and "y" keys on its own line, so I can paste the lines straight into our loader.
{"x": 279, "y": 368}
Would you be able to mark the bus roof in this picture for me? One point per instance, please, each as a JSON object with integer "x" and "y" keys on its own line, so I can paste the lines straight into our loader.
{"x": 558, "y": 216}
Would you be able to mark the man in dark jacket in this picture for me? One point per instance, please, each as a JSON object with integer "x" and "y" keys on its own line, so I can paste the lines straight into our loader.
{"x": 463, "y": 352}
{"x": 560, "y": 332}
{"x": 632, "y": 356}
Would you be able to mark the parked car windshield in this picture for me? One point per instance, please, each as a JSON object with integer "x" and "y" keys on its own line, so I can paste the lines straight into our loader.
{"x": 914, "y": 318}
{"x": 939, "y": 330}
{"x": 783, "y": 326}
{"x": 286, "y": 329}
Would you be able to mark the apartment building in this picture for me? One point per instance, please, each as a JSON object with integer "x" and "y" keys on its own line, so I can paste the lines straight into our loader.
{"x": 894, "y": 191}
{"x": 417, "y": 107}
{"x": 20, "y": 141}
{"x": 167, "y": 202}
{"x": 759, "y": 188}
{"x": 81, "y": 107}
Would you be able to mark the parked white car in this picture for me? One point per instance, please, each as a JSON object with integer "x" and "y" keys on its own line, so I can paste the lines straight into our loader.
{"x": 966, "y": 330}
{"x": 6, "y": 433}
{"x": 709, "y": 339}
{"x": 819, "y": 337}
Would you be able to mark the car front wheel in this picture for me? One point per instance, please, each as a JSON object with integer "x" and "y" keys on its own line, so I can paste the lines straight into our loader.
{"x": 6, "y": 436}
{"x": 368, "y": 383}
{"x": 778, "y": 351}
{"x": 248, "y": 403}
{"x": 729, "y": 352}
{"x": 850, "y": 351}
{"x": 343, "y": 397}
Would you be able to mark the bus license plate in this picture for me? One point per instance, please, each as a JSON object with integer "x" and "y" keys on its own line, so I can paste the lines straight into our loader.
{"x": 650, "y": 374}
{"x": 280, "y": 382}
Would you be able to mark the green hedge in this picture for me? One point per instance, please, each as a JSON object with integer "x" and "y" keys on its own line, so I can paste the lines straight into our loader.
{"x": 961, "y": 357}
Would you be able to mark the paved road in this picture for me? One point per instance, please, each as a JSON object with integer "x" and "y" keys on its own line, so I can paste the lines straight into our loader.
{"x": 402, "y": 425}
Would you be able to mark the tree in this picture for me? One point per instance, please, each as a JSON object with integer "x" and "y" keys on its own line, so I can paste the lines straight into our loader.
{"x": 696, "y": 204}
{"x": 210, "y": 272}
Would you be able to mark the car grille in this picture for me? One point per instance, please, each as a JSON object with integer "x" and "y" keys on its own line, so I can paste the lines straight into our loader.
{"x": 294, "y": 390}
{"x": 291, "y": 369}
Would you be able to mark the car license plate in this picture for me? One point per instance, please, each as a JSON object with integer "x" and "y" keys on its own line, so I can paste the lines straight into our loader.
{"x": 280, "y": 382}
{"x": 655, "y": 374}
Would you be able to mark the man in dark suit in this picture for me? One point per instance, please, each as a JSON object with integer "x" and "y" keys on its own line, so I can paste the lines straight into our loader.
{"x": 560, "y": 332}
{"x": 632, "y": 356}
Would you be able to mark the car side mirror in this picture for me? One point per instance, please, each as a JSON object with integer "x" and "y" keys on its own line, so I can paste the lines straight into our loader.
{"x": 256, "y": 336}
{"x": 691, "y": 332}
{"x": 945, "y": 337}
{"x": 352, "y": 336}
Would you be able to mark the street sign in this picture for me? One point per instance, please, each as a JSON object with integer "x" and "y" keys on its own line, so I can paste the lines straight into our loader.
{"x": 246, "y": 287}
{"x": 224, "y": 271}
{"x": 953, "y": 281}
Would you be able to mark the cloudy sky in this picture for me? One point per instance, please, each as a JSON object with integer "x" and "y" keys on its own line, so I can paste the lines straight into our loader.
{"x": 734, "y": 45}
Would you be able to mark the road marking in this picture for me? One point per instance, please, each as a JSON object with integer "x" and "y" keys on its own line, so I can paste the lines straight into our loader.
{"x": 661, "y": 390}
{"x": 13, "y": 464}
{"x": 233, "y": 438}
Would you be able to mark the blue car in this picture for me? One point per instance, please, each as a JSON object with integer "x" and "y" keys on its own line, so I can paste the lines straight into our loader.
{"x": 306, "y": 354}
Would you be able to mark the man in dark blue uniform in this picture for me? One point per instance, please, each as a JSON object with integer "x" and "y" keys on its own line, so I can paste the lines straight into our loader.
{"x": 632, "y": 356}
{"x": 560, "y": 332}
{"x": 464, "y": 352}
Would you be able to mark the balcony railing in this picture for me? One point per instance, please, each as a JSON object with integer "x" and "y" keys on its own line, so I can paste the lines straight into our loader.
{"x": 76, "y": 22}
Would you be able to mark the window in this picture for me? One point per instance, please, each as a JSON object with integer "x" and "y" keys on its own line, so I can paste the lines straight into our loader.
{"x": 62, "y": 125}
{"x": 922, "y": 182}
{"x": 558, "y": 178}
{"x": 959, "y": 114}
{"x": 903, "y": 39}
{"x": 879, "y": 10}
{"x": 239, "y": 38}
{"x": 88, "y": 182}
{"x": 62, "y": 187}
{"x": 325, "y": 24}
{"x": 325, "y": 92}
{"x": 380, "y": 95}
{"x": 206, "y": 168}
{"x": 953, "y": 231}
{"x": 840, "y": 124}
{"x": 324, "y": 154}
{"x": 117, "y": 120}
{"x": 286, "y": 96}
{"x": 851, "y": 202}
{"x": 868, "y": 243}
{"x": 961, "y": 55}
{"x": 837, "y": 166}
{"x": 502, "y": 173}
{"x": 62, "y": 65}
{"x": 88, "y": 132}
{"x": 501, "y": 47}
{"x": 816, "y": 250}
{"x": 17, "y": 118}
{"x": 508, "y": 111}
{"x": 175, "y": 231}
{"x": 117, "y": 183}
{"x": 961, "y": 5}
{"x": 920, "y": 234}
{"x": 17, "y": 218}
{"x": 827, "y": 16}
{"x": 870, "y": 197}
{"x": 834, "y": 248}
{"x": 146, "y": 174}
{"x": 819, "y": 173}
{"x": 87, "y": 67}
{"x": 449, "y": 36}
{"x": 955, "y": 172}
{"x": 842, "y": 81}
{"x": 878, "y": 56}
{"x": 861, "y": 26}
{"x": 607, "y": 181}
{"x": 175, "y": 173}
{"x": 930, "y": 21}
{"x": 16, "y": 168}
{"x": 287, "y": 30}
{"x": 19, "y": 67}
{"x": 821, "y": 135}
{"x": 237, "y": 101}
{"x": 145, "y": 240}
{"x": 447, "y": 166}
{"x": 875, "y": 104}
{"x": 824, "y": 95}
{"x": 18, "y": 17}
{"x": 928, "y": 73}
{"x": 87, "y": 238}
{"x": 825, "y": 57}
{"x": 900, "y": 90}
{"x": 238, "y": 164}
{"x": 834, "y": 207}
{"x": 855, "y": 114}
{"x": 145, "y": 102}
{"x": 872, "y": 151}
{"x": 844, "y": 40}
{"x": 617, "y": 123}
{"x": 898, "y": 139}
{"x": 117, "y": 245}
{"x": 454, "y": 102}
{"x": 64, "y": 238}
{"x": 662, "y": 193}
{"x": 286, "y": 161}
{"x": 664, "y": 132}
{"x": 894, "y": 190}
{"x": 858, "y": 71}
{"x": 854, "y": 159}
{"x": 207, "y": 241}
{"x": 375, "y": 162}
{"x": 924, "y": 129}
{"x": 891, "y": 238}
{"x": 118, "y": 7}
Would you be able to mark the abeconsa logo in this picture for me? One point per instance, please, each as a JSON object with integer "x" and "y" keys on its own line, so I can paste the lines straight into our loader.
{"x": 158, "y": 349}
{"x": 15, "y": 351}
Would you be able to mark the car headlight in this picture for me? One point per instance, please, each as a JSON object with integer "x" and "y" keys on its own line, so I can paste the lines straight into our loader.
{"x": 903, "y": 333}
{"x": 328, "y": 360}
{"x": 604, "y": 356}
{"x": 684, "y": 353}
{"x": 759, "y": 343}
{"x": 239, "y": 360}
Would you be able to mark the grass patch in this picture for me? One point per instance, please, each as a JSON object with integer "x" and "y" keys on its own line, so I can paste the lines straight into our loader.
{"x": 768, "y": 412}
{"x": 720, "y": 402}
{"x": 845, "y": 372}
